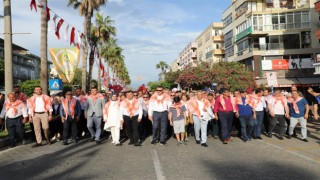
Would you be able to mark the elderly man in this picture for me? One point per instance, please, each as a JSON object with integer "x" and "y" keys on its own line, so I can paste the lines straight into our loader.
{"x": 16, "y": 116}
{"x": 40, "y": 113}
{"x": 70, "y": 112}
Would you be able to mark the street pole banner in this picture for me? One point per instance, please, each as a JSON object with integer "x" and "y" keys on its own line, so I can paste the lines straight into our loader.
{"x": 65, "y": 61}
{"x": 272, "y": 79}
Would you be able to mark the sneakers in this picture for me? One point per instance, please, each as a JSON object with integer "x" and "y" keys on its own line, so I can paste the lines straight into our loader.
{"x": 198, "y": 142}
{"x": 289, "y": 136}
{"x": 98, "y": 142}
{"x": 92, "y": 139}
{"x": 270, "y": 135}
{"x": 184, "y": 143}
{"x": 163, "y": 143}
{"x": 281, "y": 138}
{"x": 179, "y": 143}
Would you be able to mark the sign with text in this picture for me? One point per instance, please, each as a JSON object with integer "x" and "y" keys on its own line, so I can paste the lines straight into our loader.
{"x": 272, "y": 79}
{"x": 276, "y": 64}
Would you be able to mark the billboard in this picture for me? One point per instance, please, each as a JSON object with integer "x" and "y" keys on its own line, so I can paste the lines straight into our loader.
{"x": 65, "y": 61}
{"x": 285, "y": 64}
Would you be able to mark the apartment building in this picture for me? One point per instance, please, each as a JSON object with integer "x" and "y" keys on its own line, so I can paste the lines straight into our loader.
{"x": 175, "y": 65}
{"x": 26, "y": 66}
{"x": 188, "y": 57}
{"x": 210, "y": 44}
{"x": 273, "y": 36}
{"x": 317, "y": 64}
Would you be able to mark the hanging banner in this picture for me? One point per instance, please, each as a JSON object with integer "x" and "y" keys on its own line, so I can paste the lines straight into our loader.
{"x": 272, "y": 79}
{"x": 65, "y": 61}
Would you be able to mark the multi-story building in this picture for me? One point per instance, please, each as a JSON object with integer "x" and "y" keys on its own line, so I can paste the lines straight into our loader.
{"x": 175, "y": 66}
{"x": 26, "y": 66}
{"x": 188, "y": 57}
{"x": 273, "y": 36}
{"x": 210, "y": 44}
{"x": 317, "y": 64}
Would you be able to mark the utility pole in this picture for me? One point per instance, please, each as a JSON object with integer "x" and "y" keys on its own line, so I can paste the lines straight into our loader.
{"x": 7, "y": 47}
{"x": 44, "y": 48}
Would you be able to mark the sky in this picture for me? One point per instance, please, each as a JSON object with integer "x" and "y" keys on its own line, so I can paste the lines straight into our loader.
{"x": 149, "y": 31}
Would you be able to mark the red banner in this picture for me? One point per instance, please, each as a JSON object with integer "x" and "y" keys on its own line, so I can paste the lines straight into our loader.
{"x": 280, "y": 64}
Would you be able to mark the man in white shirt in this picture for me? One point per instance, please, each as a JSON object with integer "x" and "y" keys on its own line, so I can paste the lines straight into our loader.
{"x": 279, "y": 111}
{"x": 16, "y": 116}
{"x": 259, "y": 104}
{"x": 82, "y": 124}
{"x": 40, "y": 113}
{"x": 131, "y": 112}
{"x": 158, "y": 113}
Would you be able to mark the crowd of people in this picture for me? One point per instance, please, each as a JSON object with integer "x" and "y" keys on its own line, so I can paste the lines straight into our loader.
{"x": 161, "y": 114}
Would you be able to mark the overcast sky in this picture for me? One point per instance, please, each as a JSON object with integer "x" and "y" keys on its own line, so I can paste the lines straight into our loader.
{"x": 148, "y": 30}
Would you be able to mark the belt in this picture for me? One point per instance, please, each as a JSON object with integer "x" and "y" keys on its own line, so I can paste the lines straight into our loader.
{"x": 39, "y": 112}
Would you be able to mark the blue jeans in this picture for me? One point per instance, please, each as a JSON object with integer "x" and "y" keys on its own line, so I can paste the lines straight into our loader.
{"x": 97, "y": 122}
{"x": 258, "y": 123}
{"x": 226, "y": 119}
{"x": 246, "y": 120}
{"x": 162, "y": 119}
{"x": 200, "y": 124}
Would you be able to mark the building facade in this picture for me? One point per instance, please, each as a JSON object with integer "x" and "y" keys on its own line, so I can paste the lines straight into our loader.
{"x": 188, "y": 57}
{"x": 273, "y": 36}
{"x": 26, "y": 66}
{"x": 210, "y": 44}
{"x": 175, "y": 66}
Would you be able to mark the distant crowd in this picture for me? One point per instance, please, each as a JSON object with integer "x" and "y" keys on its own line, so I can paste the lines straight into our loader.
{"x": 161, "y": 114}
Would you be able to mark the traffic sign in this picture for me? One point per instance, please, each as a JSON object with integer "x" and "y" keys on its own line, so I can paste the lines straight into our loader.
{"x": 55, "y": 84}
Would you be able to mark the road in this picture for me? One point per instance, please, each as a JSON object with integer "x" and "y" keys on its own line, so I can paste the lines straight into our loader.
{"x": 257, "y": 159}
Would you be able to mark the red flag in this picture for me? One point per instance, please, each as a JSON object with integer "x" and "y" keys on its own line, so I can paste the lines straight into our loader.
{"x": 102, "y": 69}
{"x": 33, "y": 4}
{"x": 72, "y": 36}
{"x": 48, "y": 13}
{"x": 58, "y": 27}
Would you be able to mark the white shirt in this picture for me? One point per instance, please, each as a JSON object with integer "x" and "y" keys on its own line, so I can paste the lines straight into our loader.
{"x": 124, "y": 111}
{"x": 276, "y": 106}
{"x": 201, "y": 106}
{"x": 155, "y": 106}
{"x": 261, "y": 105}
{"x": 10, "y": 113}
{"x": 39, "y": 105}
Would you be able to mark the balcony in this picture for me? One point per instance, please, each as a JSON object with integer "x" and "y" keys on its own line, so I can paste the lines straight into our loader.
{"x": 193, "y": 45}
{"x": 194, "y": 55}
{"x": 272, "y": 46}
{"x": 217, "y": 38}
{"x": 218, "y": 52}
{"x": 317, "y": 6}
{"x": 243, "y": 34}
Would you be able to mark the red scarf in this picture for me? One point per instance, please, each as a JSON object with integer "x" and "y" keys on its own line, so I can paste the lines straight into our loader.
{"x": 177, "y": 107}
{"x": 32, "y": 103}
{"x": 131, "y": 107}
{"x": 73, "y": 103}
{"x": 193, "y": 106}
{"x": 14, "y": 105}
{"x": 95, "y": 97}
{"x": 294, "y": 104}
{"x": 247, "y": 101}
{"x": 282, "y": 99}
{"x": 223, "y": 103}
{"x": 161, "y": 100}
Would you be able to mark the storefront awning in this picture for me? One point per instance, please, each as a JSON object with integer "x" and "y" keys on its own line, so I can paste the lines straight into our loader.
{"x": 288, "y": 82}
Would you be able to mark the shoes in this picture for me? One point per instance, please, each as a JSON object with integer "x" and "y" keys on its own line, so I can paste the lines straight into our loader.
{"x": 225, "y": 142}
{"x": 162, "y": 143}
{"x": 117, "y": 144}
{"x": 204, "y": 144}
{"x": 65, "y": 143}
{"x": 305, "y": 140}
{"x": 137, "y": 144}
{"x": 153, "y": 142}
{"x": 130, "y": 143}
{"x": 186, "y": 139}
{"x": 244, "y": 141}
{"x": 49, "y": 142}
{"x": 92, "y": 139}
{"x": 281, "y": 138}
{"x": 184, "y": 143}
{"x": 289, "y": 136}
{"x": 198, "y": 142}
{"x": 76, "y": 141}
{"x": 254, "y": 137}
{"x": 295, "y": 135}
{"x": 259, "y": 137}
{"x": 37, "y": 145}
{"x": 98, "y": 142}
{"x": 249, "y": 139}
{"x": 215, "y": 137}
{"x": 229, "y": 140}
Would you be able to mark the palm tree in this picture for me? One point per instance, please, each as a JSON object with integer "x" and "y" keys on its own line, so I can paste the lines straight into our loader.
{"x": 163, "y": 66}
{"x": 7, "y": 46}
{"x": 44, "y": 48}
{"x": 86, "y": 8}
{"x": 101, "y": 32}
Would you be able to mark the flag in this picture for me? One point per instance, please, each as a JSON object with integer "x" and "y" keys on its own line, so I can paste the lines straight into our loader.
{"x": 72, "y": 36}
{"x": 58, "y": 28}
{"x": 48, "y": 13}
{"x": 33, "y": 4}
{"x": 65, "y": 61}
{"x": 66, "y": 33}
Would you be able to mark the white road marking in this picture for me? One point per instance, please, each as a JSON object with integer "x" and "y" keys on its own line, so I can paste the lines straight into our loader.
{"x": 291, "y": 152}
{"x": 157, "y": 165}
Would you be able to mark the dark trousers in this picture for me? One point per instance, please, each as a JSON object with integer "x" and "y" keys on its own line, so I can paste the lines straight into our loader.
{"x": 162, "y": 119}
{"x": 258, "y": 123}
{"x": 145, "y": 127}
{"x": 213, "y": 128}
{"x": 266, "y": 121}
{"x": 246, "y": 121}
{"x": 66, "y": 126}
{"x": 282, "y": 121}
{"x": 15, "y": 126}
{"x": 55, "y": 126}
{"x": 226, "y": 119}
{"x": 82, "y": 124}
{"x": 132, "y": 126}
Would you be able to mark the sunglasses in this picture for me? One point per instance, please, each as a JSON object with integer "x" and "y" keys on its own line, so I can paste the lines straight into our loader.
{"x": 172, "y": 95}
{"x": 68, "y": 94}
{"x": 135, "y": 95}
{"x": 145, "y": 97}
{"x": 159, "y": 90}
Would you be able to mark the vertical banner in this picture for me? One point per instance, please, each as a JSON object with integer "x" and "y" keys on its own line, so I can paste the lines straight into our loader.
{"x": 272, "y": 79}
{"x": 65, "y": 61}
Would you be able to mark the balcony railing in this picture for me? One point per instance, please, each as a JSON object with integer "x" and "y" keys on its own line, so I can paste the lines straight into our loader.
{"x": 218, "y": 51}
{"x": 272, "y": 46}
{"x": 218, "y": 38}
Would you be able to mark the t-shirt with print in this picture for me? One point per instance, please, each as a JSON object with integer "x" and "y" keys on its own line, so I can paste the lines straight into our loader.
{"x": 175, "y": 113}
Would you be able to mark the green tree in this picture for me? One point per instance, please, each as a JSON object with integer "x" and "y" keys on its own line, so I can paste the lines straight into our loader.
{"x": 28, "y": 86}
{"x": 86, "y": 9}
{"x": 163, "y": 66}
{"x": 1, "y": 72}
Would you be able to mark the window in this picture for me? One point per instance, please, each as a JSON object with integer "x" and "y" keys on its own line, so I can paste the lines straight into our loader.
{"x": 282, "y": 19}
{"x": 297, "y": 19}
{"x": 275, "y": 21}
{"x": 291, "y": 41}
{"x": 290, "y": 22}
